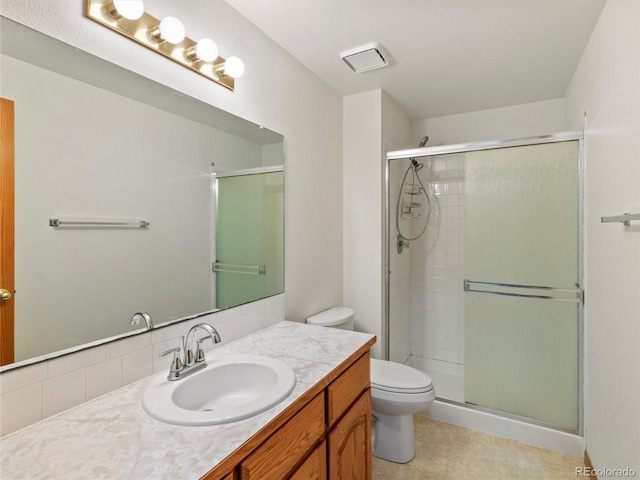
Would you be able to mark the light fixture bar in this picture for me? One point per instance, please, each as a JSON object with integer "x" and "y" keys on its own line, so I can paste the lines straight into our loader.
{"x": 140, "y": 31}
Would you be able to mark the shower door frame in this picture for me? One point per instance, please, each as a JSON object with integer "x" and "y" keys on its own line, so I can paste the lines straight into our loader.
{"x": 472, "y": 147}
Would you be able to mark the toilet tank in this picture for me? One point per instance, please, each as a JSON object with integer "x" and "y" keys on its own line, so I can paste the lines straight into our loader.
{"x": 336, "y": 317}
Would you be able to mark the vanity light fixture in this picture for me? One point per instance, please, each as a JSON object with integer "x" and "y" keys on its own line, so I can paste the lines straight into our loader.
{"x": 232, "y": 67}
{"x": 129, "y": 9}
{"x": 205, "y": 50}
{"x": 167, "y": 37}
{"x": 170, "y": 29}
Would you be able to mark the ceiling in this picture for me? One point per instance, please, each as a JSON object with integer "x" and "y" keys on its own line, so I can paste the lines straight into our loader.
{"x": 447, "y": 56}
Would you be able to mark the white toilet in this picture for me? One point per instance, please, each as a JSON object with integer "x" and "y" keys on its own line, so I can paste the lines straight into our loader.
{"x": 397, "y": 392}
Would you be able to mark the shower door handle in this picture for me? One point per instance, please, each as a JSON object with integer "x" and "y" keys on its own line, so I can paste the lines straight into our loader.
{"x": 514, "y": 290}
{"x": 243, "y": 269}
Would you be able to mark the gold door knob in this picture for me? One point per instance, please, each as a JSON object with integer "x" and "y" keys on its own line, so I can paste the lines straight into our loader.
{"x": 5, "y": 294}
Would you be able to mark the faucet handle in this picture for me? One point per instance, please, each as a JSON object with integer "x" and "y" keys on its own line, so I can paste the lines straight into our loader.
{"x": 200, "y": 352}
{"x": 176, "y": 363}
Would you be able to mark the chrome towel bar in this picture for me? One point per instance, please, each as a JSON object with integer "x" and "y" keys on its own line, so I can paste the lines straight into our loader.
{"x": 56, "y": 222}
{"x": 625, "y": 218}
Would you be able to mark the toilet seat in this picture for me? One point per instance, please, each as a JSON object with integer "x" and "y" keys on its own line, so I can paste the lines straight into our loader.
{"x": 398, "y": 378}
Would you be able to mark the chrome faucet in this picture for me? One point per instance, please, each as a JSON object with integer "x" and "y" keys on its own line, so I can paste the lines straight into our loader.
{"x": 189, "y": 358}
{"x": 135, "y": 320}
{"x": 190, "y": 363}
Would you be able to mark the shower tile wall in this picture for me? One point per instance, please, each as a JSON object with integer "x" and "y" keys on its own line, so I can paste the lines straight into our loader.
{"x": 437, "y": 272}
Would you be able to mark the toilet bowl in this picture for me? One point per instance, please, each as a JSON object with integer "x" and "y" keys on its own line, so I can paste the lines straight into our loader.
{"x": 397, "y": 392}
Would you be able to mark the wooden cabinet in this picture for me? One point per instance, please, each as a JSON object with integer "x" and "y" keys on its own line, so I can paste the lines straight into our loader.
{"x": 344, "y": 390}
{"x": 314, "y": 467}
{"x": 325, "y": 434}
{"x": 349, "y": 443}
{"x": 277, "y": 457}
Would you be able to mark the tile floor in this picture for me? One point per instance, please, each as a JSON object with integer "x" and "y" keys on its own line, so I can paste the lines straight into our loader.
{"x": 450, "y": 452}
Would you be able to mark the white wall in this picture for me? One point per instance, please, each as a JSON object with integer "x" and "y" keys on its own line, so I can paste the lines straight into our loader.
{"x": 498, "y": 123}
{"x": 362, "y": 194}
{"x": 607, "y": 86}
{"x": 276, "y": 91}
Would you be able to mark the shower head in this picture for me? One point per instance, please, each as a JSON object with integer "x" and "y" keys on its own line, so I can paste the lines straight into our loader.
{"x": 414, "y": 163}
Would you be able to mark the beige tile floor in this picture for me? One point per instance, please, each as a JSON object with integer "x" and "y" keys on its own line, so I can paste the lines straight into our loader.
{"x": 449, "y": 452}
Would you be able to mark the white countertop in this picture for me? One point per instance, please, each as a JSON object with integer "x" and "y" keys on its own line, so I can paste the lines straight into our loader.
{"x": 112, "y": 437}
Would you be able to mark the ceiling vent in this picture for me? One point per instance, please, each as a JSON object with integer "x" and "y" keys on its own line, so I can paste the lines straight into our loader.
{"x": 365, "y": 58}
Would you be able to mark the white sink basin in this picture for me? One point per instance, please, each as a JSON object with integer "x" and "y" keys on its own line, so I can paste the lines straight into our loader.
{"x": 230, "y": 388}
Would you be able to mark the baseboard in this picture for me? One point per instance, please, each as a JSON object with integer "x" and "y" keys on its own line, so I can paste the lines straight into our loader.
{"x": 589, "y": 465}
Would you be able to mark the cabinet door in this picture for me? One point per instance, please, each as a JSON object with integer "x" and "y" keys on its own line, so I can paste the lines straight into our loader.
{"x": 277, "y": 457}
{"x": 314, "y": 467}
{"x": 350, "y": 443}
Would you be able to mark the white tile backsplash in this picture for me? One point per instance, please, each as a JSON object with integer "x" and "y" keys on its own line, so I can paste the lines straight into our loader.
{"x": 35, "y": 392}
{"x": 21, "y": 407}
{"x": 68, "y": 363}
{"x": 128, "y": 345}
{"x": 135, "y": 365}
{"x": 15, "y": 379}
{"x": 63, "y": 392}
{"x": 103, "y": 377}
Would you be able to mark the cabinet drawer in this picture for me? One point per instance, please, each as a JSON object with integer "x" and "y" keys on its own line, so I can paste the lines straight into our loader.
{"x": 314, "y": 467}
{"x": 344, "y": 390}
{"x": 288, "y": 446}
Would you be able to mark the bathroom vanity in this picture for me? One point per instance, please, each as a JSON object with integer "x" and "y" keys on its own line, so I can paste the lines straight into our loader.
{"x": 328, "y": 436}
{"x": 322, "y": 430}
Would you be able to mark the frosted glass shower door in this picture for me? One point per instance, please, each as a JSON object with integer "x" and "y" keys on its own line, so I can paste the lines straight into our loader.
{"x": 522, "y": 276}
{"x": 249, "y": 259}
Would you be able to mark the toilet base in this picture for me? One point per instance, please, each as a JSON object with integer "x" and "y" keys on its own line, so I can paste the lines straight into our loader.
{"x": 393, "y": 437}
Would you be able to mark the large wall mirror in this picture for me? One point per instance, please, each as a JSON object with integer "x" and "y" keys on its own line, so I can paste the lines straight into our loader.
{"x": 130, "y": 197}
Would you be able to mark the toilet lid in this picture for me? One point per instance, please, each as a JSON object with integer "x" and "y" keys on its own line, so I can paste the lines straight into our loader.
{"x": 396, "y": 377}
{"x": 332, "y": 317}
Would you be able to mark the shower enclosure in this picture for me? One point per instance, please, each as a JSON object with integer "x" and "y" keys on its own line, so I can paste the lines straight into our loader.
{"x": 488, "y": 300}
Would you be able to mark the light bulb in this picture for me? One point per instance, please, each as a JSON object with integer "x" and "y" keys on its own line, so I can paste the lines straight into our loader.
{"x": 170, "y": 30}
{"x": 206, "y": 50}
{"x": 233, "y": 67}
{"x": 129, "y": 9}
